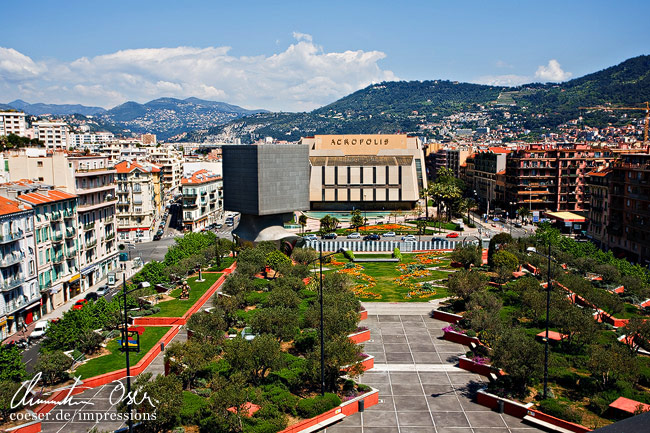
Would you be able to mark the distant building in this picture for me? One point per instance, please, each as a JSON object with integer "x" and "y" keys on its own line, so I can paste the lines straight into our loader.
{"x": 148, "y": 139}
{"x": 55, "y": 135}
{"x": 12, "y": 122}
{"x": 456, "y": 158}
{"x": 365, "y": 171}
{"x": 138, "y": 200}
{"x": 597, "y": 183}
{"x": 170, "y": 162}
{"x": 202, "y": 200}
{"x": 20, "y": 298}
{"x": 483, "y": 169}
{"x": 91, "y": 139}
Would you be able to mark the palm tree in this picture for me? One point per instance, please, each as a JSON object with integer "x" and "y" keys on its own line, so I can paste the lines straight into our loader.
{"x": 302, "y": 220}
{"x": 523, "y": 213}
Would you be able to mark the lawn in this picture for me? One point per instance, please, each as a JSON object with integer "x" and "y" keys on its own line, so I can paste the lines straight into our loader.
{"x": 380, "y": 281}
{"x": 176, "y": 308}
{"x": 436, "y": 224}
{"x": 225, "y": 262}
{"x": 117, "y": 359}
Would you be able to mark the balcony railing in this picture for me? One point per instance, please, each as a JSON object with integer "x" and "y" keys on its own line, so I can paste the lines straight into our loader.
{"x": 11, "y": 283}
{"x": 89, "y": 226}
{"x": 11, "y": 237}
{"x": 10, "y": 260}
{"x": 67, "y": 214}
{"x": 58, "y": 259}
{"x": 70, "y": 233}
{"x": 71, "y": 253}
{"x": 45, "y": 286}
{"x": 55, "y": 216}
{"x": 110, "y": 236}
{"x": 57, "y": 237}
{"x": 91, "y": 244}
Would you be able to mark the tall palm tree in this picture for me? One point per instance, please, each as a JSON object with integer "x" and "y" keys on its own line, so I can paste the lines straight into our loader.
{"x": 523, "y": 213}
{"x": 302, "y": 220}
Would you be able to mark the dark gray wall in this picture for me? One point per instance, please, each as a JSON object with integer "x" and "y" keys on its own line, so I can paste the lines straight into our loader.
{"x": 266, "y": 179}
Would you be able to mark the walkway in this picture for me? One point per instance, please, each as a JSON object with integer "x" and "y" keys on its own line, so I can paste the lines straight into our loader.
{"x": 420, "y": 388}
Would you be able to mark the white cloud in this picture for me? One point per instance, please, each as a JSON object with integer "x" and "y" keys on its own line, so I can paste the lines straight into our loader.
{"x": 301, "y": 77}
{"x": 552, "y": 72}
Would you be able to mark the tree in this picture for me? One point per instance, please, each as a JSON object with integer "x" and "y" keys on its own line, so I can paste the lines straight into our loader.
{"x": 328, "y": 224}
{"x": 8, "y": 388}
{"x": 356, "y": 219}
{"x": 283, "y": 297}
{"x": 207, "y": 327}
{"x": 304, "y": 255}
{"x": 637, "y": 333}
{"x": 166, "y": 394}
{"x": 302, "y": 220}
{"x": 189, "y": 245}
{"x": 505, "y": 260}
{"x": 53, "y": 366}
{"x": 339, "y": 352}
{"x": 483, "y": 315}
{"x": 277, "y": 261}
{"x": 495, "y": 243}
{"x": 422, "y": 227}
{"x": 189, "y": 359}
{"x": 467, "y": 255}
{"x": 520, "y": 357}
{"x": 153, "y": 272}
{"x": 463, "y": 283}
{"x": 11, "y": 364}
{"x": 612, "y": 363}
{"x": 255, "y": 358}
{"x": 281, "y": 322}
{"x": 523, "y": 213}
{"x": 222, "y": 248}
{"x": 576, "y": 324}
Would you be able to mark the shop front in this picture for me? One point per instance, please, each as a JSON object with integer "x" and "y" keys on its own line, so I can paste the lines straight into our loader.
{"x": 4, "y": 330}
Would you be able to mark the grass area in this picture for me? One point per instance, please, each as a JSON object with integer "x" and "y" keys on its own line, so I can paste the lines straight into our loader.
{"x": 373, "y": 256}
{"x": 225, "y": 262}
{"x": 117, "y": 359}
{"x": 176, "y": 308}
{"x": 445, "y": 226}
{"x": 385, "y": 278}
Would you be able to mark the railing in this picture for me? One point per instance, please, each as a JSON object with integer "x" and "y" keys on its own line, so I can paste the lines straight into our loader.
{"x": 57, "y": 237}
{"x": 11, "y": 260}
{"x": 11, "y": 283}
{"x": 45, "y": 286}
{"x": 11, "y": 237}
{"x": 110, "y": 236}
{"x": 55, "y": 216}
{"x": 57, "y": 259}
{"x": 68, "y": 214}
{"x": 71, "y": 254}
{"x": 70, "y": 232}
{"x": 89, "y": 226}
{"x": 91, "y": 244}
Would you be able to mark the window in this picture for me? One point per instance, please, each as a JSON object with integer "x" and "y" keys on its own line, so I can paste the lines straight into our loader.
{"x": 39, "y": 164}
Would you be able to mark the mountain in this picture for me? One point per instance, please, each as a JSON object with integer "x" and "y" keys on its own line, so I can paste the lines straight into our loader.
{"x": 40, "y": 109}
{"x": 168, "y": 117}
{"x": 413, "y": 106}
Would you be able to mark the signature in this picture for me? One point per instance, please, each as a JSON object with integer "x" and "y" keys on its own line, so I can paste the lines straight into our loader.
{"x": 117, "y": 395}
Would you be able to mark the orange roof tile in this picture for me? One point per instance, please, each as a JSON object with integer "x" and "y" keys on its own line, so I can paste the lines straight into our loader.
{"x": 198, "y": 177}
{"x": 628, "y": 405}
{"x": 41, "y": 197}
{"x": 128, "y": 167}
{"x": 8, "y": 206}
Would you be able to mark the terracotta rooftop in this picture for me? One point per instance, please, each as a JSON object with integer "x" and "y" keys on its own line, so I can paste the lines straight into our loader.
{"x": 49, "y": 196}
{"x": 600, "y": 173}
{"x": 199, "y": 177}
{"x": 128, "y": 167}
{"x": 8, "y": 206}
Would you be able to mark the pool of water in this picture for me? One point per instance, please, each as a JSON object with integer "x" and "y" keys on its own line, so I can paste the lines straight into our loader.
{"x": 345, "y": 216}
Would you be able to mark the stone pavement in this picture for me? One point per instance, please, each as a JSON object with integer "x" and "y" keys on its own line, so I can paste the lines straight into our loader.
{"x": 420, "y": 387}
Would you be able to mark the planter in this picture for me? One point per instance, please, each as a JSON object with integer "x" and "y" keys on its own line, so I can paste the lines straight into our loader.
{"x": 483, "y": 369}
{"x": 367, "y": 363}
{"x": 363, "y": 314}
{"x": 347, "y": 408}
{"x": 446, "y": 317}
{"x": 457, "y": 337}
{"x": 360, "y": 337}
{"x": 30, "y": 427}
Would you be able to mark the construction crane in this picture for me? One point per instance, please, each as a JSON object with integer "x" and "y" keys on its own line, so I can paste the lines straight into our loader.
{"x": 647, "y": 116}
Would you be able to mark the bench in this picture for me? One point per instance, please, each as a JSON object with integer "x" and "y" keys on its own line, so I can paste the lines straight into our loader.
{"x": 545, "y": 424}
{"x": 324, "y": 423}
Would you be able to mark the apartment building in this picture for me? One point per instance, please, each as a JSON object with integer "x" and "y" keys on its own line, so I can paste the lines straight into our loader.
{"x": 484, "y": 172}
{"x": 92, "y": 179}
{"x": 55, "y": 135}
{"x": 91, "y": 139}
{"x": 12, "y": 122}
{"x": 138, "y": 200}
{"x": 456, "y": 158}
{"x": 597, "y": 182}
{"x": 628, "y": 231}
{"x": 170, "y": 162}
{"x": 20, "y": 298}
{"x": 552, "y": 176}
{"x": 202, "y": 200}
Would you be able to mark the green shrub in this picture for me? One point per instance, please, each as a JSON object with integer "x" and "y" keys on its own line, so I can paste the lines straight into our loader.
{"x": 192, "y": 405}
{"x": 471, "y": 333}
{"x": 310, "y": 407}
{"x": 255, "y": 298}
{"x": 397, "y": 254}
{"x": 348, "y": 254}
{"x": 557, "y": 409}
{"x": 306, "y": 340}
{"x": 363, "y": 388}
{"x": 53, "y": 365}
{"x": 281, "y": 397}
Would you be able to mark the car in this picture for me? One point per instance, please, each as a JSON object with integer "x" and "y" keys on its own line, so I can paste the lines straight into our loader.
{"x": 157, "y": 237}
{"x": 518, "y": 225}
{"x": 493, "y": 225}
{"x": 310, "y": 238}
{"x": 218, "y": 226}
{"x": 248, "y": 334}
{"x": 437, "y": 239}
{"x": 409, "y": 238}
{"x": 495, "y": 219}
{"x": 355, "y": 235}
{"x": 452, "y": 235}
{"x": 79, "y": 304}
{"x": 92, "y": 296}
{"x": 103, "y": 291}
{"x": 371, "y": 237}
{"x": 329, "y": 236}
{"x": 389, "y": 235}
{"x": 40, "y": 329}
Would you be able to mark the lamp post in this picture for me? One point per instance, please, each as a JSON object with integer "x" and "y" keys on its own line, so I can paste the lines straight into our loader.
{"x": 549, "y": 286}
{"x": 530, "y": 199}
{"x": 320, "y": 301}
{"x": 125, "y": 342}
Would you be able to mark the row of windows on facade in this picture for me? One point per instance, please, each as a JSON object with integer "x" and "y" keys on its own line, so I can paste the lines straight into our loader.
{"x": 338, "y": 181}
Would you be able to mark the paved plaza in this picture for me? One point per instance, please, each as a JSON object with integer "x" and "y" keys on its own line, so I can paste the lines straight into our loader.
{"x": 420, "y": 387}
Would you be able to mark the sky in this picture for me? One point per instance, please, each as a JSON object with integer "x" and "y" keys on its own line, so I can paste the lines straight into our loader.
{"x": 300, "y": 55}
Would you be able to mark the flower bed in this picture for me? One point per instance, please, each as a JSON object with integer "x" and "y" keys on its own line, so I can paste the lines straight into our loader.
{"x": 361, "y": 336}
{"x": 456, "y": 336}
{"x": 478, "y": 365}
{"x": 446, "y": 317}
{"x": 367, "y": 362}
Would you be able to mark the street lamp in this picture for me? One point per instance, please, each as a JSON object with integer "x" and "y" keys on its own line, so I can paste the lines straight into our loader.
{"x": 548, "y": 306}
{"x": 320, "y": 301}
{"x": 530, "y": 199}
{"x": 125, "y": 343}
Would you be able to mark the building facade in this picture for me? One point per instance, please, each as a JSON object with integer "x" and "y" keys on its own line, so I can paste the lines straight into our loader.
{"x": 483, "y": 173}
{"x": 365, "y": 171}
{"x": 55, "y": 135}
{"x": 202, "y": 200}
{"x": 138, "y": 200}
{"x": 12, "y": 122}
{"x": 20, "y": 298}
{"x": 170, "y": 162}
{"x": 598, "y": 210}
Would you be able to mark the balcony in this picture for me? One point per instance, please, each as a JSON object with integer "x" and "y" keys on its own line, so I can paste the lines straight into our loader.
{"x": 16, "y": 305}
{"x": 45, "y": 286}
{"x": 58, "y": 259}
{"x": 57, "y": 237}
{"x": 189, "y": 194}
{"x": 11, "y": 283}
{"x": 93, "y": 171}
{"x": 70, "y": 233}
{"x": 71, "y": 253}
{"x": 189, "y": 205}
{"x": 10, "y": 260}
{"x": 55, "y": 216}
{"x": 11, "y": 237}
{"x": 110, "y": 236}
{"x": 68, "y": 214}
{"x": 91, "y": 244}
{"x": 89, "y": 226}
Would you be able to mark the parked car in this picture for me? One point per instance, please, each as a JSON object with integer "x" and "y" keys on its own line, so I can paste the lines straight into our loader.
{"x": 79, "y": 304}
{"x": 409, "y": 238}
{"x": 371, "y": 237}
{"x": 103, "y": 291}
{"x": 452, "y": 235}
{"x": 355, "y": 235}
{"x": 437, "y": 239}
{"x": 92, "y": 296}
{"x": 389, "y": 235}
{"x": 518, "y": 225}
{"x": 496, "y": 219}
{"x": 248, "y": 334}
{"x": 40, "y": 329}
{"x": 310, "y": 237}
{"x": 329, "y": 236}
{"x": 157, "y": 237}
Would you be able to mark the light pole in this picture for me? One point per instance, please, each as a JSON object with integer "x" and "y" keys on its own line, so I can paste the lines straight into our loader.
{"x": 125, "y": 343}
{"x": 530, "y": 199}
{"x": 549, "y": 286}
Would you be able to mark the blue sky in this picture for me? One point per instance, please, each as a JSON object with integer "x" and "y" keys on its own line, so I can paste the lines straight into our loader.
{"x": 299, "y": 55}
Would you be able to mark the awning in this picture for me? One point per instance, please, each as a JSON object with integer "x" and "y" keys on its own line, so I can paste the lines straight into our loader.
{"x": 74, "y": 277}
{"x": 3, "y": 321}
{"x": 58, "y": 287}
{"x": 88, "y": 270}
